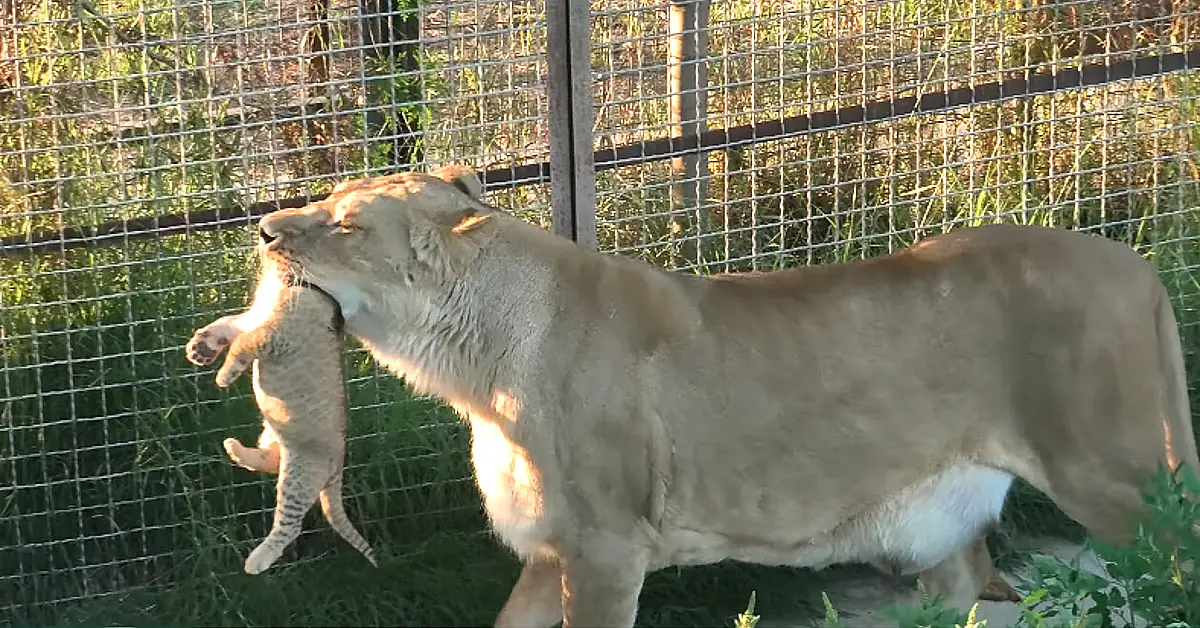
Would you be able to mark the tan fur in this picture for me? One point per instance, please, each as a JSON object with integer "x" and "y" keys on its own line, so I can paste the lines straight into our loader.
{"x": 625, "y": 418}
{"x": 292, "y": 337}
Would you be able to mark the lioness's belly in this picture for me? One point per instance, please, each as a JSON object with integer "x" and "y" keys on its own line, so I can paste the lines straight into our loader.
{"x": 913, "y": 530}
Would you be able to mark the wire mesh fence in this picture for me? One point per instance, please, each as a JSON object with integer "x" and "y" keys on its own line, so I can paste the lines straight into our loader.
{"x": 140, "y": 140}
{"x": 1109, "y": 157}
{"x": 163, "y": 122}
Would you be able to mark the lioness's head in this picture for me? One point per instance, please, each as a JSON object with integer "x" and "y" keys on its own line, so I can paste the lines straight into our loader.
{"x": 372, "y": 235}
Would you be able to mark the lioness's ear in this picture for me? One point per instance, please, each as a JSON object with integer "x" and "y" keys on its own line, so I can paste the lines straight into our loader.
{"x": 436, "y": 241}
{"x": 462, "y": 178}
{"x": 466, "y": 221}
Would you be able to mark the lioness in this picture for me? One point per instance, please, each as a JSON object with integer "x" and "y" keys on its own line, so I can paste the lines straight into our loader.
{"x": 625, "y": 418}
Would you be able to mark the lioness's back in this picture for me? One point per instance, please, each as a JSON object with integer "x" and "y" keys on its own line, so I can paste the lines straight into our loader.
{"x": 987, "y": 253}
{"x": 982, "y": 340}
{"x": 991, "y": 285}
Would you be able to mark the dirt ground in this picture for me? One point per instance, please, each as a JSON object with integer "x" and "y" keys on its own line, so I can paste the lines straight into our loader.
{"x": 860, "y": 595}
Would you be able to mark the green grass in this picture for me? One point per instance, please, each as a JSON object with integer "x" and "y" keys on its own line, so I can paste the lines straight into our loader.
{"x": 117, "y": 476}
{"x": 116, "y": 502}
{"x": 445, "y": 579}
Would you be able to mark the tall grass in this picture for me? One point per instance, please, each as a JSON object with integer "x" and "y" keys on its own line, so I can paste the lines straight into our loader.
{"x": 116, "y": 504}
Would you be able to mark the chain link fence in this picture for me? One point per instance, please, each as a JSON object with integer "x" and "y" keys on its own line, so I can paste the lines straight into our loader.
{"x": 140, "y": 141}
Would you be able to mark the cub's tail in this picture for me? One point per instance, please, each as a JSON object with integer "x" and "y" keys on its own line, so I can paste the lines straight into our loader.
{"x": 335, "y": 514}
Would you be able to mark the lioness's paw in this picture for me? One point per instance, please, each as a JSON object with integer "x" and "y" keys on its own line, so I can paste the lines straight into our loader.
{"x": 999, "y": 590}
{"x": 205, "y": 345}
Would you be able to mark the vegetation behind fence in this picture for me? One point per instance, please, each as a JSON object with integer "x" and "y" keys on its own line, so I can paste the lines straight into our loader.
{"x": 125, "y": 114}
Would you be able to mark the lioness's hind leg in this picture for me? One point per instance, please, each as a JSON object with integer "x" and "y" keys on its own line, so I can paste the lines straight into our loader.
{"x": 1107, "y": 507}
{"x": 536, "y": 599}
{"x": 297, "y": 489}
{"x": 335, "y": 514}
{"x": 966, "y": 576}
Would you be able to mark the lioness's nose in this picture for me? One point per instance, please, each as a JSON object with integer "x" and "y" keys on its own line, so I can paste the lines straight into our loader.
{"x": 289, "y": 221}
{"x": 269, "y": 226}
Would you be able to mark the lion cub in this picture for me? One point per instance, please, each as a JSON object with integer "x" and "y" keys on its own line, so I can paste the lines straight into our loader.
{"x": 292, "y": 335}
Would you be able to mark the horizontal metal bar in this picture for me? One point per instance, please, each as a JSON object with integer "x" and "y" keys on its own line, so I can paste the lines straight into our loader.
{"x": 880, "y": 110}
{"x": 206, "y": 220}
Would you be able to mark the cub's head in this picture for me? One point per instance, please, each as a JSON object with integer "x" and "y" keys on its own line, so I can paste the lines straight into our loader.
{"x": 375, "y": 236}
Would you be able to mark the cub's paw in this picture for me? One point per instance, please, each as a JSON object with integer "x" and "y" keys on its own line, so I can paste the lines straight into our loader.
{"x": 233, "y": 368}
{"x": 233, "y": 449}
{"x": 262, "y": 557}
{"x": 250, "y": 458}
{"x": 206, "y": 344}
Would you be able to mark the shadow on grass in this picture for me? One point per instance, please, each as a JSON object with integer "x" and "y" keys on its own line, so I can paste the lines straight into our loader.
{"x": 450, "y": 579}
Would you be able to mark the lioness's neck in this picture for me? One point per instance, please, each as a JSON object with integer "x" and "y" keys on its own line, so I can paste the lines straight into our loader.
{"x": 454, "y": 342}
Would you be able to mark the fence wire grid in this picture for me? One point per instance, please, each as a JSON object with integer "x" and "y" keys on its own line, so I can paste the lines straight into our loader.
{"x": 140, "y": 139}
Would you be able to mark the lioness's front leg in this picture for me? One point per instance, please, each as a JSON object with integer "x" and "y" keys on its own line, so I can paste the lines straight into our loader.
{"x": 536, "y": 599}
{"x": 602, "y": 579}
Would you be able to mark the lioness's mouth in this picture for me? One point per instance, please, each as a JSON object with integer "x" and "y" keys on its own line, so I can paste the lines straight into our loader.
{"x": 280, "y": 259}
{"x": 279, "y": 262}
{"x": 292, "y": 273}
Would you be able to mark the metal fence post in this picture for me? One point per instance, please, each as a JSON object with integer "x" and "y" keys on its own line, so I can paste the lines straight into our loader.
{"x": 687, "y": 96}
{"x": 569, "y": 93}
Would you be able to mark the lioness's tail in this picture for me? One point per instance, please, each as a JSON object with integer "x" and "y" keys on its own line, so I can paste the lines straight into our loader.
{"x": 335, "y": 514}
{"x": 1181, "y": 446}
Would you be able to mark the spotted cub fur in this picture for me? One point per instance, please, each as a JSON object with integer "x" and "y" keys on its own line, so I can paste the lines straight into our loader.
{"x": 292, "y": 336}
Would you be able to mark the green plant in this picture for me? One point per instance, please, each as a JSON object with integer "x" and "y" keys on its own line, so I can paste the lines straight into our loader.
{"x": 831, "y": 615}
{"x": 747, "y": 619}
{"x": 930, "y": 611}
{"x": 1152, "y": 579}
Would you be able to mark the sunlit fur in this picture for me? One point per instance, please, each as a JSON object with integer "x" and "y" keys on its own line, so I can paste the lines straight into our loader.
{"x": 624, "y": 418}
{"x": 292, "y": 336}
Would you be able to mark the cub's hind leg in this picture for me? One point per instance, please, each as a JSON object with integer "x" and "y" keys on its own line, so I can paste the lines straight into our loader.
{"x": 301, "y": 479}
{"x": 335, "y": 514}
{"x": 264, "y": 458}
